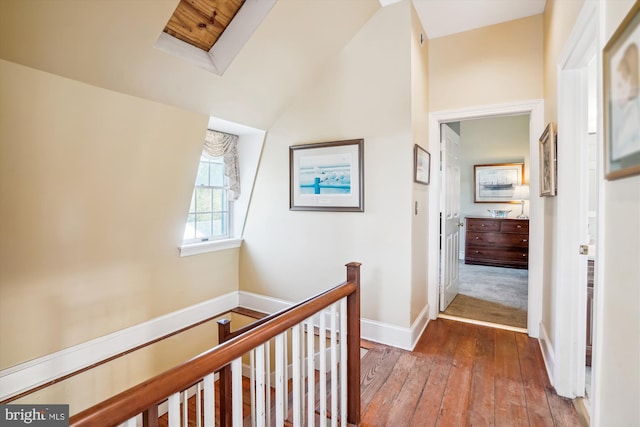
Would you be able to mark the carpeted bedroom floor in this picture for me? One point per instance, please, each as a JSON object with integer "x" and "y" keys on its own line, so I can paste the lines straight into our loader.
{"x": 492, "y": 294}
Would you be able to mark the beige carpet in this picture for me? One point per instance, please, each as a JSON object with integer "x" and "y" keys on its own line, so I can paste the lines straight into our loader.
{"x": 492, "y": 294}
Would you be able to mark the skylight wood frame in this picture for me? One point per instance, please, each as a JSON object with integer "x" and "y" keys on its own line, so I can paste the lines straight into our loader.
{"x": 228, "y": 45}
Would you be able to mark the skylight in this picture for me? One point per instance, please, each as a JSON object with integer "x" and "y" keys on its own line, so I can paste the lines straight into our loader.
{"x": 211, "y": 33}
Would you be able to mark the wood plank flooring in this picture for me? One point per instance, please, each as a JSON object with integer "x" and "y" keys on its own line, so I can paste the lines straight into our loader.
{"x": 462, "y": 374}
{"x": 459, "y": 374}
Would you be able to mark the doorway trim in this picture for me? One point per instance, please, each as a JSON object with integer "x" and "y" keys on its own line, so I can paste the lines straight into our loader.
{"x": 535, "y": 109}
{"x": 569, "y": 278}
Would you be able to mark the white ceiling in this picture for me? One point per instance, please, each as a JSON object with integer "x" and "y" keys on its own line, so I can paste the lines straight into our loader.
{"x": 444, "y": 17}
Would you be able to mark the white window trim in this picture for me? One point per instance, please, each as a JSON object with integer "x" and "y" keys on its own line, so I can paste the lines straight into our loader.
{"x": 209, "y": 246}
{"x": 249, "y": 149}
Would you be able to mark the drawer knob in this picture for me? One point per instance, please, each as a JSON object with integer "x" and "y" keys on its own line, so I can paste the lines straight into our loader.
{"x": 477, "y": 238}
{"x": 477, "y": 252}
{"x": 524, "y": 255}
{"x": 519, "y": 226}
{"x": 524, "y": 240}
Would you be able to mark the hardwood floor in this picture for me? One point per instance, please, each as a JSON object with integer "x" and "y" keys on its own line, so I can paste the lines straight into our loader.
{"x": 459, "y": 374}
{"x": 462, "y": 374}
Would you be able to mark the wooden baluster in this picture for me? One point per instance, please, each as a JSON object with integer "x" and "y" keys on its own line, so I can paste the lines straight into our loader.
{"x": 209, "y": 400}
{"x": 323, "y": 368}
{"x": 281, "y": 367}
{"x": 353, "y": 344}
{"x": 343, "y": 362}
{"x": 224, "y": 329}
{"x": 334, "y": 368}
{"x": 311, "y": 372}
{"x": 173, "y": 410}
{"x": 150, "y": 417}
{"x": 296, "y": 375}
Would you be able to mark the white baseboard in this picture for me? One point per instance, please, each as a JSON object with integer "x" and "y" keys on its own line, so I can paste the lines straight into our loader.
{"x": 25, "y": 376}
{"x": 546, "y": 347}
{"x": 371, "y": 330}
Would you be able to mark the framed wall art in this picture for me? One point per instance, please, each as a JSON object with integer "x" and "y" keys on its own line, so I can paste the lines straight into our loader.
{"x": 421, "y": 165}
{"x": 548, "y": 162}
{"x": 327, "y": 176}
{"x": 621, "y": 89}
{"x": 495, "y": 183}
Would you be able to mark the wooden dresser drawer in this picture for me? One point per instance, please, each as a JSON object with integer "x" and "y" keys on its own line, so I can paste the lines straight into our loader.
{"x": 477, "y": 224}
{"x": 498, "y": 254}
{"x": 515, "y": 226}
{"x": 497, "y": 239}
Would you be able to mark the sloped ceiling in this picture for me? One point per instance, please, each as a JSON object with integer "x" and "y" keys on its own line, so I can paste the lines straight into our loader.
{"x": 110, "y": 44}
{"x": 444, "y": 17}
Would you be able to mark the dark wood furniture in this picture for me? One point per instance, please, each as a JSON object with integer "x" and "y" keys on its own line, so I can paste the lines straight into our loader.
{"x": 499, "y": 242}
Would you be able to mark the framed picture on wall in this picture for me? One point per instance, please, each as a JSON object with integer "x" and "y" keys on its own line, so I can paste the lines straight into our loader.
{"x": 327, "y": 176}
{"x": 495, "y": 183}
{"x": 421, "y": 165}
{"x": 621, "y": 89}
{"x": 548, "y": 162}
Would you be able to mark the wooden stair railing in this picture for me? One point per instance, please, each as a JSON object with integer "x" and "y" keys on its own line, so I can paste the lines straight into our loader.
{"x": 141, "y": 401}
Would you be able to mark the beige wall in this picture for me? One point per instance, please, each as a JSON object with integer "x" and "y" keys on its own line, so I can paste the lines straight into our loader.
{"x": 492, "y": 65}
{"x": 364, "y": 93}
{"x": 95, "y": 189}
{"x": 618, "y": 346}
{"x": 420, "y": 132}
{"x": 489, "y": 141}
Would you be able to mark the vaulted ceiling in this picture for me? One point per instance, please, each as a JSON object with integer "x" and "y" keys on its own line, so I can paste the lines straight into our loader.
{"x": 110, "y": 44}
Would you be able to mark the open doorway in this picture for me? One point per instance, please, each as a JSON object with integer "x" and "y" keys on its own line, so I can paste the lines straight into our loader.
{"x": 534, "y": 110}
{"x": 490, "y": 222}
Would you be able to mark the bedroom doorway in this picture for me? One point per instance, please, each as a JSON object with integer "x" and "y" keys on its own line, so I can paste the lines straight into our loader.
{"x": 493, "y": 279}
{"x": 533, "y": 111}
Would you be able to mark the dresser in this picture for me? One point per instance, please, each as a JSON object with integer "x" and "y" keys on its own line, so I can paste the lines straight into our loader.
{"x": 500, "y": 242}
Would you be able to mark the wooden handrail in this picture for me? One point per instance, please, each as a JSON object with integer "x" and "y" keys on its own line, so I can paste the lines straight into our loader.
{"x": 148, "y": 394}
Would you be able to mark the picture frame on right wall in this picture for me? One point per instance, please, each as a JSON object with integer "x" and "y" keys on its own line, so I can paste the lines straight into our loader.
{"x": 548, "y": 162}
{"x": 621, "y": 90}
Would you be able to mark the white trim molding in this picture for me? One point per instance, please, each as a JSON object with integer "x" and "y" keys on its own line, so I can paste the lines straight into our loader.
{"x": 546, "y": 347}
{"x": 26, "y": 376}
{"x": 535, "y": 109}
{"x": 371, "y": 330}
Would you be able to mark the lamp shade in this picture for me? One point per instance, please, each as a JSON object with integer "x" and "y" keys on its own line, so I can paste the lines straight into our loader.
{"x": 521, "y": 192}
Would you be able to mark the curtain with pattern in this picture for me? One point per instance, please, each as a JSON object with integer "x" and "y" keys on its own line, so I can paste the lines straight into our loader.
{"x": 220, "y": 144}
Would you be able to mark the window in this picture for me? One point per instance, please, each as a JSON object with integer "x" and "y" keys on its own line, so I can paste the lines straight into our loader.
{"x": 210, "y": 208}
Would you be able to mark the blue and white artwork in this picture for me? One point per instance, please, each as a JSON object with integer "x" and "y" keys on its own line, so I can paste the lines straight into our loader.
{"x": 325, "y": 174}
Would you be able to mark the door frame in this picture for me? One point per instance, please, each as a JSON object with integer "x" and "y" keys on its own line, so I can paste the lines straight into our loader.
{"x": 569, "y": 279}
{"x": 535, "y": 109}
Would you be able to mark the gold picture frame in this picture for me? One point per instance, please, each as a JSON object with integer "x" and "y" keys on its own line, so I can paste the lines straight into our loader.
{"x": 548, "y": 162}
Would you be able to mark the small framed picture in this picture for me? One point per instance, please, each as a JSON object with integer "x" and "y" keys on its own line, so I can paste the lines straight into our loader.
{"x": 548, "y": 162}
{"x": 327, "y": 176}
{"x": 621, "y": 89}
{"x": 496, "y": 183}
{"x": 421, "y": 165}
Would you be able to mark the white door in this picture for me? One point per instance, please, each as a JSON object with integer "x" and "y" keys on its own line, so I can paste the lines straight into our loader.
{"x": 450, "y": 216}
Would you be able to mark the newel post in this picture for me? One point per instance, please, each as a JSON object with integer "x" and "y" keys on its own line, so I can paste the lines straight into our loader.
{"x": 224, "y": 329}
{"x": 353, "y": 345}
